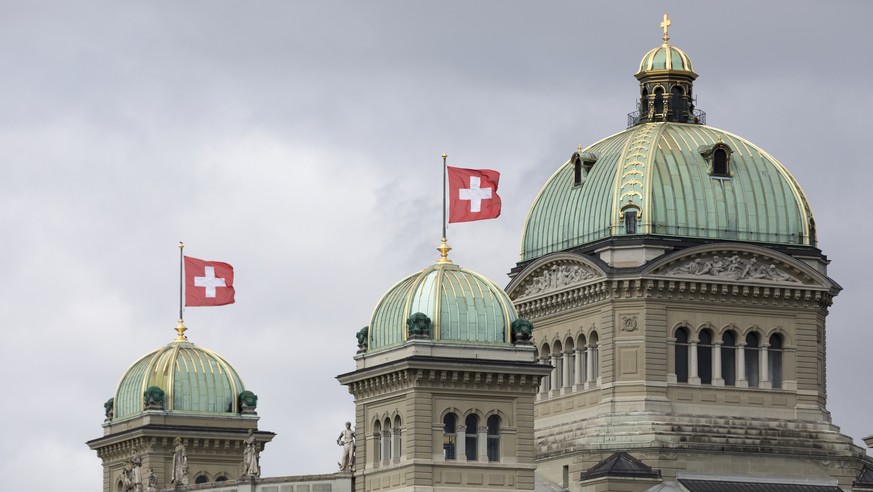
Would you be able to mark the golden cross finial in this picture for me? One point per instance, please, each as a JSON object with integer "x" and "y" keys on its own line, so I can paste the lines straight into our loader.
{"x": 579, "y": 148}
{"x": 665, "y": 24}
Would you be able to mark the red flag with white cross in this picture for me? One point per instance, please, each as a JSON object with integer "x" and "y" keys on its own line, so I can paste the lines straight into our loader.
{"x": 473, "y": 194}
{"x": 208, "y": 283}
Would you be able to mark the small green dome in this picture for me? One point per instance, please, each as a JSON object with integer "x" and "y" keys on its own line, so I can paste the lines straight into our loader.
{"x": 194, "y": 380}
{"x": 665, "y": 57}
{"x": 463, "y": 306}
{"x": 666, "y": 176}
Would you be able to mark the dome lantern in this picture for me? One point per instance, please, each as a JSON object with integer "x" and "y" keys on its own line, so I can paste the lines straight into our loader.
{"x": 666, "y": 78}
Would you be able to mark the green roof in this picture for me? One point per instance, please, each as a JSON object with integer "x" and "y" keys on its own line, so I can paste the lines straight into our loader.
{"x": 463, "y": 307}
{"x": 194, "y": 380}
{"x": 665, "y": 57}
{"x": 661, "y": 170}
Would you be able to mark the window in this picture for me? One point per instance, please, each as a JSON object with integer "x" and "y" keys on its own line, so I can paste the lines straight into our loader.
{"x": 221, "y": 479}
{"x": 471, "y": 441}
{"x": 681, "y": 355}
{"x": 398, "y": 450}
{"x": 704, "y": 357}
{"x": 659, "y": 101}
{"x": 679, "y": 104}
{"x": 201, "y": 479}
{"x": 494, "y": 438}
{"x": 377, "y": 443}
{"x": 644, "y": 103}
{"x": 386, "y": 441}
{"x": 630, "y": 221}
{"x": 774, "y": 354}
{"x": 595, "y": 359}
{"x": 752, "y": 349}
{"x": 729, "y": 358}
{"x": 577, "y": 172}
{"x": 571, "y": 363}
{"x": 450, "y": 422}
{"x": 720, "y": 163}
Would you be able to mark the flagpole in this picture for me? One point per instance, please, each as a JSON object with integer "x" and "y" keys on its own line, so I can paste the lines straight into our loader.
{"x": 444, "y": 196}
{"x": 180, "y": 329}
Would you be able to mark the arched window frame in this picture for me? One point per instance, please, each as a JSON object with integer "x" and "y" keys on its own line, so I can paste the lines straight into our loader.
{"x": 630, "y": 218}
{"x": 712, "y": 154}
{"x": 729, "y": 357}
{"x": 753, "y": 358}
{"x": 396, "y": 436}
{"x": 377, "y": 442}
{"x": 594, "y": 356}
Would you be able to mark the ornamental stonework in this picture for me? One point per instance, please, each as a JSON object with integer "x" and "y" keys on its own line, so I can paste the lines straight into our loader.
{"x": 553, "y": 277}
{"x": 732, "y": 267}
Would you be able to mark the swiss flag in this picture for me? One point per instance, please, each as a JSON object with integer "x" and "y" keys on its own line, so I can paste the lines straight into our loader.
{"x": 208, "y": 283}
{"x": 473, "y": 194}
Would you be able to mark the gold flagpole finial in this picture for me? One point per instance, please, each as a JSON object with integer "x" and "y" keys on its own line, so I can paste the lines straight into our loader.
{"x": 444, "y": 249}
{"x": 180, "y": 329}
{"x": 665, "y": 24}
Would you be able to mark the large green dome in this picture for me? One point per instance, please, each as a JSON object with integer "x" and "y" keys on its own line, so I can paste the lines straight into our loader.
{"x": 462, "y": 305}
{"x": 664, "y": 173}
{"x": 194, "y": 380}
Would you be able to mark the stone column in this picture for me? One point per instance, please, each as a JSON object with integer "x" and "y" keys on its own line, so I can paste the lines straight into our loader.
{"x": 717, "y": 379}
{"x": 693, "y": 376}
{"x": 461, "y": 443}
{"x": 578, "y": 382}
{"x": 764, "y": 370}
{"x": 482, "y": 444}
{"x": 589, "y": 367}
{"x": 742, "y": 382}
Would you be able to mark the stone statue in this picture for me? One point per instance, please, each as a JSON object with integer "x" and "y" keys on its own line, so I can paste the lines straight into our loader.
{"x": 522, "y": 330}
{"x": 127, "y": 477}
{"x": 152, "y": 481}
{"x": 346, "y": 439}
{"x": 136, "y": 473}
{"x": 362, "y": 336}
{"x": 418, "y": 326}
{"x": 251, "y": 465}
{"x": 248, "y": 402}
{"x": 180, "y": 463}
{"x": 153, "y": 398}
{"x": 109, "y": 408}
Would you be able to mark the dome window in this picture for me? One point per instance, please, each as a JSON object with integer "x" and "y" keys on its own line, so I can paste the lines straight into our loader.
{"x": 630, "y": 216}
{"x": 582, "y": 164}
{"x": 718, "y": 159}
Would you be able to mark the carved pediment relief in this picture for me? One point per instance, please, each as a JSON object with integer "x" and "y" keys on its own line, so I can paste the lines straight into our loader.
{"x": 553, "y": 276}
{"x": 738, "y": 266}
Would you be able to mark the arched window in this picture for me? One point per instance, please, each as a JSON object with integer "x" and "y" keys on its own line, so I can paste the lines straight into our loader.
{"x": 570, "y": 361}
{"x": 577, "y": 171}
{"x": 594, "y": 356}
{"x": 222, "y": 478}
{"x": 558, "y": 362}
{"x": 395, "y": 432}
{"x": 377, "y": 443}
{"x": 201, "y": 479}
{"x": 753, "y": 344}
{"x": 644, "y": 103}
{"x": 729, "y": 358}
{"x": 471, "y": 441}
{"x": 679, "y": 104}
{"x": 450, "y": 422}
{"x": 704, "y": 357}
{"x": 583, "y": 356}
{"x": 659, "y": 101}
{"x": 774, "y": 356}
{"x": 720, "y": 163}
{"x": 681, "y": 355}
{"x": 494, "y": 438}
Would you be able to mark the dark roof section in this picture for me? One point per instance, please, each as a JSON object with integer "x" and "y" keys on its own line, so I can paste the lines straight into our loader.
{"x": 621, "y": 464}
{"x": 730, "y": 486}
{"x": 865, "y": 478}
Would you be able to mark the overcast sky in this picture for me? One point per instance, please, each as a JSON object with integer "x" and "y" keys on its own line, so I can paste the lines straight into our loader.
{"x": 301, "y": 143}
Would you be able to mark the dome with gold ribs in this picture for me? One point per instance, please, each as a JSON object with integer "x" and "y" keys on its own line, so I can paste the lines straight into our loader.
{"x": 462, "y": 306}
{"x": 194, "y": 380}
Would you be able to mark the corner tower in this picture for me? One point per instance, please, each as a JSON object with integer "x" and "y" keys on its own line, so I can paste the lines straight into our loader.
{"x": 179, "y": 412}
{"x": 672, "y": 274}
{"x": 444, "y": 387}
